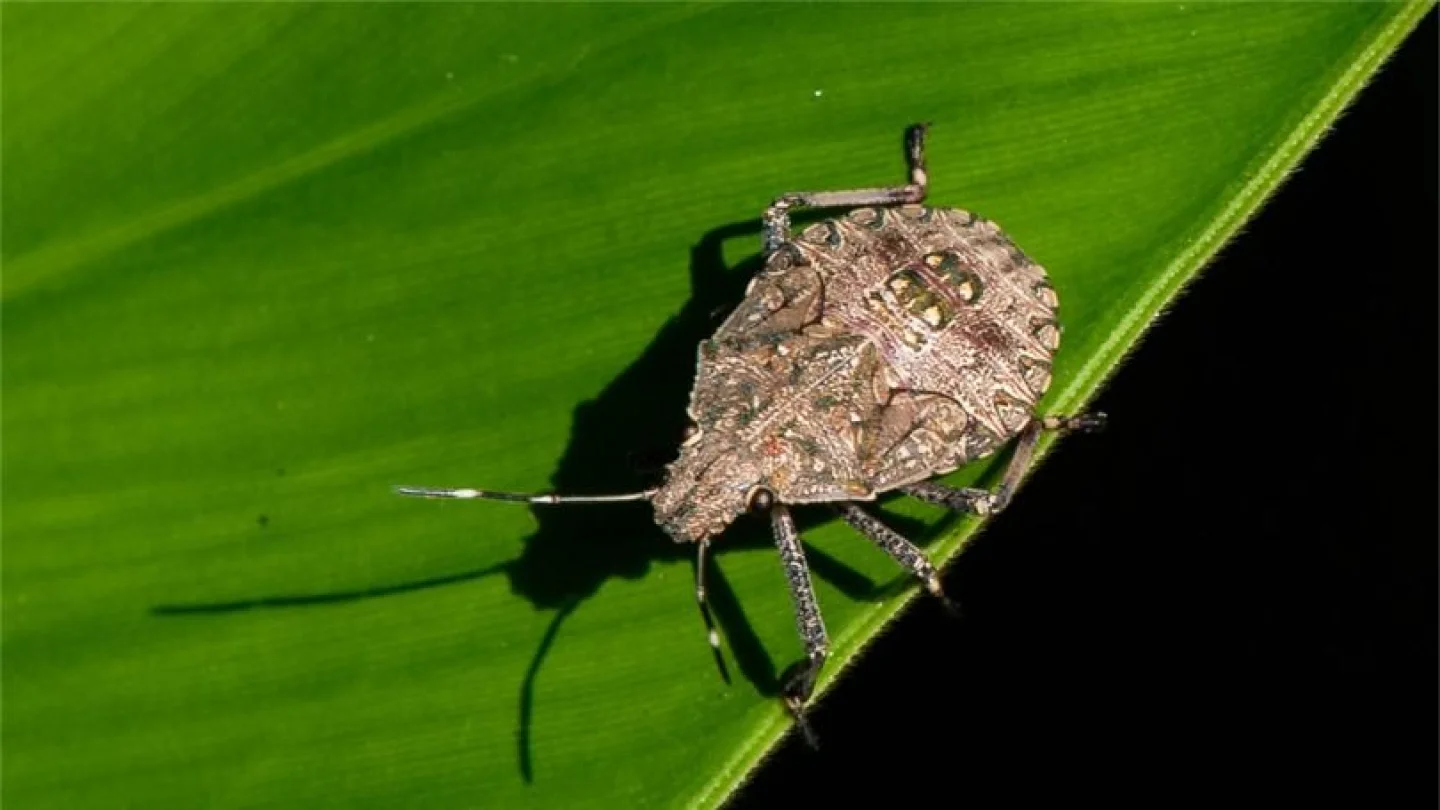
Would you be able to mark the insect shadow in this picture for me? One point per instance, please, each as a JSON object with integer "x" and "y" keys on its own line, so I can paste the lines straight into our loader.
{"x": 620, "y": 441}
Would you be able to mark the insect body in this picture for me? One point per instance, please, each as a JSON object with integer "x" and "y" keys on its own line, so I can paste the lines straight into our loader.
{"x": 875, "y": 351}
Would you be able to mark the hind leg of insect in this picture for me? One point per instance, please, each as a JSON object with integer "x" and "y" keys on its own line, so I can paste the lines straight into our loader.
{"x": 985, "y": 502}
{"x": 799, "y": 679}
{"x": 901, "y": 550}
{"x": 777, "y": 217}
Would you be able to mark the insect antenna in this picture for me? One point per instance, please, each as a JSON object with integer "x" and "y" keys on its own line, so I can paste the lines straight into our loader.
{"x": 548, "y": 498}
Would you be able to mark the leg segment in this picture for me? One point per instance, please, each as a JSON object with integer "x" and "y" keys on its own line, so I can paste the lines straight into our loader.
{"x": 900, "y": 549}
{"x": 700, "y": 596}
{"x": 777, "y": 216}
{"x": 961, "y": 499}
{"x": 799, "y": 680}
{"x": 702, "y": 599}
{"x": 981, "y": 502}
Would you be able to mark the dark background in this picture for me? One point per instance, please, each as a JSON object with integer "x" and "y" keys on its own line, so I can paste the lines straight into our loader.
{"x": 1230, "y": 594}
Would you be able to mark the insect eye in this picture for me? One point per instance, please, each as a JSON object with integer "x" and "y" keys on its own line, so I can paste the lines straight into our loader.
{"x": 761, "y": 499}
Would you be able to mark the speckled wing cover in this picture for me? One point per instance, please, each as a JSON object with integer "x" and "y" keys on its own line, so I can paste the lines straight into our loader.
{"x": 879, "y": 349}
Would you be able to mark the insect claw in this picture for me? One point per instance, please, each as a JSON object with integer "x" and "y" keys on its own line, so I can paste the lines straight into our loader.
{"x": 1079, "y": 423}
{"x": 936, "y": 590}
{"x": 811, "y": 741}
{"x": 795, "y": 704}
{"x": 997, "y": 501}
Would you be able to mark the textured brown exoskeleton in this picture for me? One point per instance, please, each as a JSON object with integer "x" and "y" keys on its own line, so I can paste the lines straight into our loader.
{"x": 875, "y": 351}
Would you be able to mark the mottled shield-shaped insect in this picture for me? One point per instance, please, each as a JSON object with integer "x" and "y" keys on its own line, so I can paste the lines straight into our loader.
{"x": 874, "y": 352}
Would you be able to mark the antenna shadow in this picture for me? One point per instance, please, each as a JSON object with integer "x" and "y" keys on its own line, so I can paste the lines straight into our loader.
{"x": 635, "y": 422}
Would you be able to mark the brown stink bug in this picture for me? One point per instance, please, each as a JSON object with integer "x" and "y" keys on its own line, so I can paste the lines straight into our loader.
{"x": 874, "y": 352}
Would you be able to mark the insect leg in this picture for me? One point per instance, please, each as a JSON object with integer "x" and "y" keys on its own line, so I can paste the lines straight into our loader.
{"x": 1079, "y": 423}
{"x": 701, "y": 598}
{"x": 799, "y": 680}
{"x": 1025, "y": 450}
{"x": 981, "y": 502}
{"x": 961, "y": 499}
{"x": 901, "y": 550}
{"x": 777, "y": 217}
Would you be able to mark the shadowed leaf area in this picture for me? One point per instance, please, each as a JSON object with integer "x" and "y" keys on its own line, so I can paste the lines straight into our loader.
{"x": 263, "y": 262}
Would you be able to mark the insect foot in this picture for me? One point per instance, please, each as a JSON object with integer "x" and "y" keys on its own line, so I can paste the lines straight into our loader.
{"x": 799, "y": 684}
{"x": 1079, "y": 423}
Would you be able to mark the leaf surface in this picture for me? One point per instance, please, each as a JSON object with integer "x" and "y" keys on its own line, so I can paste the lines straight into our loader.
{"x": 263, "y": 261}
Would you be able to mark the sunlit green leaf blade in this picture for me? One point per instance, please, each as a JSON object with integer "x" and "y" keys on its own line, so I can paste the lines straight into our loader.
{"x": 264, "y": 261}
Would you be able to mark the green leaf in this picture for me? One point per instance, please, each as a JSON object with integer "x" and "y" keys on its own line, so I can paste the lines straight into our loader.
{"x": 263, "y": 261}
